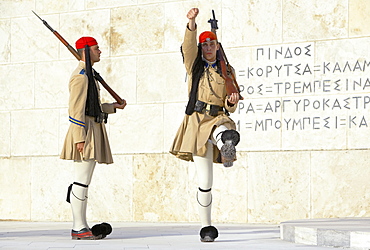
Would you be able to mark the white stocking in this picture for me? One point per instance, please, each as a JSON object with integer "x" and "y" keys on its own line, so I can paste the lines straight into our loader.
{"x": 204, "y": 166}
{"x": 83, "y": 173}
{"x": 216, "y": 136}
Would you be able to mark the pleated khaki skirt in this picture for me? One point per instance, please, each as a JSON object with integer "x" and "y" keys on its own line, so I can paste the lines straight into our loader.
{"x": 193, "y": 133}
{"x": 96, "y": 144}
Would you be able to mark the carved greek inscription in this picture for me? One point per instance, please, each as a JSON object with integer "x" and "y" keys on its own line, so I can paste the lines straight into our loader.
{"x": 287, "y": 90}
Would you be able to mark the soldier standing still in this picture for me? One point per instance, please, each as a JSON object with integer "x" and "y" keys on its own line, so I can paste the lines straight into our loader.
{"x": 207, "y": 135}
{"x": 86, "y": 141}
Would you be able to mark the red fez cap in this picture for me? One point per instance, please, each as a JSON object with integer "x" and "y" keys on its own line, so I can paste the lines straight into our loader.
{"x": 207, "y": 36}
{"x": 86, "y": 40}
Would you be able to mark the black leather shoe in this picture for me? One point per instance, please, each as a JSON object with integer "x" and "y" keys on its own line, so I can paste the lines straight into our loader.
{"x": 83, "y": 234}
{"x": 228, "y": 154}
{"x": 230, "y": 138}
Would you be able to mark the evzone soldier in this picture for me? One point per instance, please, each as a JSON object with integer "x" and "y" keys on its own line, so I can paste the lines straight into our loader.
{"x": 207, "y": 135}
{"x": 86, "y": 141}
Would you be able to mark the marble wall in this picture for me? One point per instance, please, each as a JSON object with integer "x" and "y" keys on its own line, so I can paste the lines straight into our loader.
{"x": 303, "y": 67}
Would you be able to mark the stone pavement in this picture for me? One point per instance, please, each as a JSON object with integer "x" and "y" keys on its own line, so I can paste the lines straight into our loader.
{"x": 333, "y": 232}
{"x": 346, "y": 233}
{"x": 136, "y": 236}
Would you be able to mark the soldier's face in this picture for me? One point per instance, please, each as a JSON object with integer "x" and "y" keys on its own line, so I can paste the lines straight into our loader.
{"x": 95, "y": 54}
{"x": 209, "y": 50}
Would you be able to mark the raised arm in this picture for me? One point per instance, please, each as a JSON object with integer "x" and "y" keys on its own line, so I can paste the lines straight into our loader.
{"x": 192, "y": 14}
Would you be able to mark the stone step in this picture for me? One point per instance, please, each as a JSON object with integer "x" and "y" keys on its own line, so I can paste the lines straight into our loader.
{"x": 332, "y": 232}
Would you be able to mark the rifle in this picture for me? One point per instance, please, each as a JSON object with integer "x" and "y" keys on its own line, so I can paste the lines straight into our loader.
{"x": 230, "y": 82}
{"x": 75, "y": 53}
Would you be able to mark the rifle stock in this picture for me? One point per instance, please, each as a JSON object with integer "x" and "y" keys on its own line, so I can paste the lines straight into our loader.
{"x": 75, "y": 53}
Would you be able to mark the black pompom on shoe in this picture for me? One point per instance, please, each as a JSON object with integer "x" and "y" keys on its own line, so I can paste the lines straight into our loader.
{"x": 101, "y": 231}
{"x": 208, "y": 234}
{"x": 231, "y": 135}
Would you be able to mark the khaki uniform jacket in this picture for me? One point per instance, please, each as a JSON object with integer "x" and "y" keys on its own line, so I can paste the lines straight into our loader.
{"x": 196, "y": 128}
{"x": 83, "y": 128}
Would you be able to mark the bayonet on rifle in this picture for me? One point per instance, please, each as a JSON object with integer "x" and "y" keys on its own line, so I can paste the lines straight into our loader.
{"x": 213, "y": 22}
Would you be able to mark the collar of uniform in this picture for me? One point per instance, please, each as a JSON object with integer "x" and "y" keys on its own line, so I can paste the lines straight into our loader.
{"x": 210, "y": 64}
{"x": 82, "y": 64}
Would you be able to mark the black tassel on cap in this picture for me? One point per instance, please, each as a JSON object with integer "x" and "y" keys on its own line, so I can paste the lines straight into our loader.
{"x": 92, "y": 100}
{"x": 197, "y": 72}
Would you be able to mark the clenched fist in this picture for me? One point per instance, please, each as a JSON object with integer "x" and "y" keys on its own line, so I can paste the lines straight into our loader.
{"x": 193, "y": 13}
